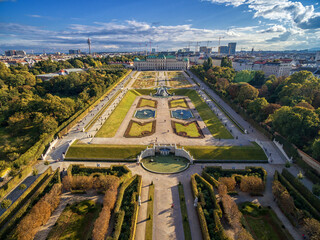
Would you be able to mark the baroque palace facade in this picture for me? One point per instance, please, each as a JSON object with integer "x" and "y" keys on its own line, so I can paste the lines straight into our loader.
{"x": 161, "y": 62}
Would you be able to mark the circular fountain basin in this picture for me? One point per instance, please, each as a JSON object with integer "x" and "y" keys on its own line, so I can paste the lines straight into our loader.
{"x": 181, "y": 114}
{"x": 145, "y": 114}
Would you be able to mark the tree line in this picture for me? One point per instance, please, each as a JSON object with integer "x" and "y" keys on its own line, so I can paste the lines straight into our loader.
{"x": 30, "y": 107}
{"x": 287, "y": 105}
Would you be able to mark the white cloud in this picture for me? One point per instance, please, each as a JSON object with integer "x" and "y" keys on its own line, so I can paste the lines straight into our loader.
{"x": 34, "y": 16}
{"x": 273, "y": 29}
{"x": 281, "y": 10}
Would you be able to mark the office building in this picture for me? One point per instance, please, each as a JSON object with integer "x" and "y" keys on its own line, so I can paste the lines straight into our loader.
{"x": 232, "y": 48}
{"x": 10, "y": 53}
{"x": 72, "y": 51}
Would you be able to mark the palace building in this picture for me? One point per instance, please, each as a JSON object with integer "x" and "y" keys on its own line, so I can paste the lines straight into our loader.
{"x": 161, "y": 62}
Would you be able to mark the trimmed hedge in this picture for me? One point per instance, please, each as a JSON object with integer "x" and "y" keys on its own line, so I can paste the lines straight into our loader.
{"x": 119, "y": 216}
{"x": 203, "y": 223}
{"x": 40, "y": 192}
{"x": 299, "y": 200}
{"x": 24, "y": 197}
{"x": 313, "y": 176}
{"x": 312, "y": 199}
{"x": 210, "y": 179}
{"x": 121, "y": 171}
{"x": 217, "y": 172}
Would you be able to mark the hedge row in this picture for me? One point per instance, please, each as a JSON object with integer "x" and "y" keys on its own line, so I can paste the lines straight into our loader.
{"x": 313, "y": 176}
{"x": 211, "y": 226}
{"x": 210, "y": 179}
{"x": 121, "y": 171}
{"x": 40, "y": 192}
{"x": 119, "y": 217}
{"x": 299, "y": 200}
{"x": 312, "y": 199}
{"x": 217, "y": 172}
{"x": 24, "y": 197}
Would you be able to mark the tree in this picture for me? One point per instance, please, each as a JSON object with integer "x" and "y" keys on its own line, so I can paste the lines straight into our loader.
{"x": 316, "y": 149}
{"x": 244, "y": 76}
{"x": 6, "y": 203}
{"x": 226, "y": 62}
{"x": 255, "y": 108}
{"x": 229, "y": 182}
{"x": 252, "y": 185}
{"x": 207, "y": 64}
{"x": 312, "y": 228}
{"x": 258, "y": 79}
{"x": 247, "y": 92}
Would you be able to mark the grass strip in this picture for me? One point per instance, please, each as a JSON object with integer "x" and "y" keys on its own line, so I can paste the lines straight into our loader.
{"x": 111, "y": 125}
{"x": 215, "y": 126}
{"x": 149, "y": 223}
{"x": 103, "y": 151}
{"x": 253, "y": 152}
{"x": 184, "y": 214}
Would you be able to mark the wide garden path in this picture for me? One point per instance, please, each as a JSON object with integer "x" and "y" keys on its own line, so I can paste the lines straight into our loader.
{"x": 142, "y": 215}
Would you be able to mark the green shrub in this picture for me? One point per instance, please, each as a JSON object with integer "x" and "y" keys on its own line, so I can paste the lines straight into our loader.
{"x": 6, "y": 203}
{"x": 35, "y": 172}
{"x": 313, "y": 176}
{"x": 46, "y": 163}
{"x": 316, "y": 189}
{"x": 22, "y": 186}
{"x": 288, "y": 165}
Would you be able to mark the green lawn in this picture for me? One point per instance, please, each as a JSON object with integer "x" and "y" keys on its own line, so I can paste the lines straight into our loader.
{"x": 178, "y": 103}
{"x": 147, "y": 103}
{"x": 76, "y": 221}
{"x": 149, "y": 223}
{"x": 137, "y": 129}
{"x": 165, "y": 164}
{"x": 191, "y": 129}
{"x": 213, "y": 123}
{"x": 184, "y": 213}
{"x": 253, "y": 152}
{"x": 263, "y": 224}
{"x": 111, "y": 125}
{"x": 101, "y": 151}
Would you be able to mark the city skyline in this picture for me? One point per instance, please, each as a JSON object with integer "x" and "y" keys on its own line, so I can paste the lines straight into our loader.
{"x": 127, "y": 26}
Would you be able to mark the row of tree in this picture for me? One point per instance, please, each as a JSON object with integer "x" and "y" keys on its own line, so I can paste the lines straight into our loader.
{"x": 39, "y": 214}
{"x": 289, "y": 106}
{"x": 232, "y": 213}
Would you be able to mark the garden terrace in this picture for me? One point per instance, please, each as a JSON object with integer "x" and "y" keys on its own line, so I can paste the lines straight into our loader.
{"x": 96, "y": 152}
{"x": 145, "y": 80}
{"x": 139, "y": 129}
{"x": 246, "y": 154}
{"x": 263, "y": 223}
{"x": 215, "y": 126}
{"x": 144, "y": 102}
{"x": 181, "y": 102}
{"x": 190, "y": 129}
{"x": 76, "y": 221}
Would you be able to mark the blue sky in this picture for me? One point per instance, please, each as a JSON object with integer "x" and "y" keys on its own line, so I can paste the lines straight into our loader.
{"x": 169, "y": 24}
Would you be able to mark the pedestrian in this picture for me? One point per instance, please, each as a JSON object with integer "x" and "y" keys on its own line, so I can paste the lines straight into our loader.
{"x": 172, "y": 205}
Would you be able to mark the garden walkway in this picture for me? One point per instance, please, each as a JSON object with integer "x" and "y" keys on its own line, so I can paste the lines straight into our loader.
{"x": 142, "y": 215}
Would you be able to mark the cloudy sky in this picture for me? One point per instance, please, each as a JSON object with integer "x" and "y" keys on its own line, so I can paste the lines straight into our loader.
{"x": 118, "y": 25}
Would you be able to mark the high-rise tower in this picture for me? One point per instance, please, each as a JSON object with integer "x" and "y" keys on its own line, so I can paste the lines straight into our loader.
{"x": 89, "y": 44}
